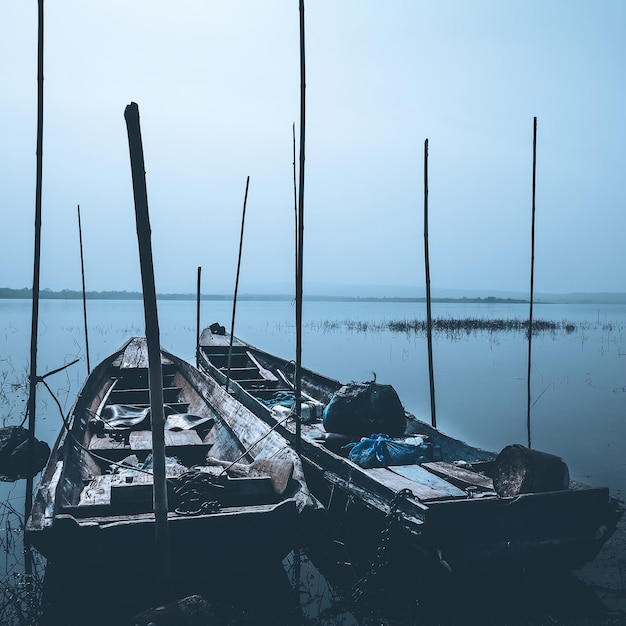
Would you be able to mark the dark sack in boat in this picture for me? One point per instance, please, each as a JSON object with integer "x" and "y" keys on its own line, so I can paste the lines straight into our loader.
{"x": 378, "y": 450}
{"x": 359, "y": 409}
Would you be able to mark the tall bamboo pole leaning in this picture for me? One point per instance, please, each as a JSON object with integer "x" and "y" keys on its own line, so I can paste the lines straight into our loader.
{"x": 232, "y": 323}
{"x": 198, "y": 318}
{"x": 155, "y": 376}
{"x": 82, "y": 273}
{"x": 300, "y": 247}
{"x": 295, "y": 200}
{"x": 532, "y": 278}
{"x": 32, "y": 379}
{"x": 429, "y": 318}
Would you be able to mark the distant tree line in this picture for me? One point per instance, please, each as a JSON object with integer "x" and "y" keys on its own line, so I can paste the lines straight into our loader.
{"x": 68, "y": 294}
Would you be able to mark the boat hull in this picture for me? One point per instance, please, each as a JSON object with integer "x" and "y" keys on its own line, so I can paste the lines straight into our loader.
{"x": 464, "y": 528}
{"x": 236, "y": 490}
{"x": 216, "y": 545}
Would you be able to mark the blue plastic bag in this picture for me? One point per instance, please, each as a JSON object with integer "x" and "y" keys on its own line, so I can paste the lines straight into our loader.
{"x": 380, "y": 450}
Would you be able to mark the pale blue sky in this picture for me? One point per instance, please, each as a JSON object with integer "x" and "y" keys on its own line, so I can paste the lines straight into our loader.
{"x": 217, "y": 84}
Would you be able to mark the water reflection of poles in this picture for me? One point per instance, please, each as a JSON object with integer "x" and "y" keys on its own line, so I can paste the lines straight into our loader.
{"x": 532, "y": 277}
{"x": 429, "y": 319}
{"x": 82, "y": 273}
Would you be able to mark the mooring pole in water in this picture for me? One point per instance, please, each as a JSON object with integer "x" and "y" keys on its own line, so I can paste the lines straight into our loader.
{"x": 532, "y": 277}
{"x": 295, "y": 199}
{"x": 232, "y": 323}
{"x": 300, "y": 246}
{"x": 82, "y": 273}
{"x": 32, "y": 378}
{"x": 198, "y": 318}
{"x": 155, "y": 376}
{"x": 429, "y": 318}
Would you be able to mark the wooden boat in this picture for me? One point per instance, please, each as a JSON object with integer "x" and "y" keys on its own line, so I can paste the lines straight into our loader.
{"x": 448, "y": 509}
{"x": 236, "y": 490}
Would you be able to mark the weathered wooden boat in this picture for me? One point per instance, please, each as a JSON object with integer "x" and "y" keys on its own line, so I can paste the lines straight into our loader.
{"x": 467, "y": 509}
{"x": 236, "y": 490}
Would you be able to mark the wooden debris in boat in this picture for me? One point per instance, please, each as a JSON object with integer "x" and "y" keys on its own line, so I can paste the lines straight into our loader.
{"x": 278, "y": 471}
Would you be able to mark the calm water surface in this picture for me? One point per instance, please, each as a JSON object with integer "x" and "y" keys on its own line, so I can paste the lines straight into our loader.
{"x": 578, "y": 397}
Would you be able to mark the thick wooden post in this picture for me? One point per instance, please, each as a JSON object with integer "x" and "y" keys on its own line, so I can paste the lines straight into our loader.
{"x": 157, "y": 417}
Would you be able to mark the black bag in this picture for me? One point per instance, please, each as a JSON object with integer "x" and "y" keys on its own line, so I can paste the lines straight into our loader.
{"x": 15, "y": 461}
{"x": 360, "y": 409}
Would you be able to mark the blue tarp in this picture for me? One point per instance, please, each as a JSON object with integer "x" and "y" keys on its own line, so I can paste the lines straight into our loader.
{"x": 380, "y": 450}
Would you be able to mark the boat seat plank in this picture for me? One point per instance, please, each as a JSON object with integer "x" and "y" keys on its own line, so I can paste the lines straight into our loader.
{"x": 264, "y": 393}
{"x": 142, "y": 439}
{"x": 102, "y": 444}
{"x": 97, "y": 492}
{"x": 177, "y": 407}
{"x": 265, "y": 373}
{"x": 460, "y": 476}
{"x": 113, "y": 489}
{"x": 421, "y": 482}
{"x": 137, "y": 395}
{"x": 237, "y": 373}
{"x": 257, "y": 383}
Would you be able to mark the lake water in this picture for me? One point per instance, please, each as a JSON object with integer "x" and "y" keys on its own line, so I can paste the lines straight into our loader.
{"x": 578, "y": 378}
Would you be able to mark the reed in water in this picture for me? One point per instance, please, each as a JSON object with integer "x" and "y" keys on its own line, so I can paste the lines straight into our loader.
{"x": 446, "y": 325}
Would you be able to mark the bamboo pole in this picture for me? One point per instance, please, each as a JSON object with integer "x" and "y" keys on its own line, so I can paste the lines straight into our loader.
{"x": 295, "y": 201}
{"x": 32, "y": 378}
{"x": 198, "y": 318}
{"x": 532, "y": 278}
{"x": 232, "y": 323}
{"x": 429, "y": 318}
{"x": 157, "y": 416}
{"x": 300, "y": 248}
{"x": 82, "y": 273}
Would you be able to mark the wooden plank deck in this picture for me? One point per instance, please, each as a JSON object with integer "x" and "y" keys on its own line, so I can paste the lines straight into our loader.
{"x": 460, "y": 476}
{"x": 421, "y": 482}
